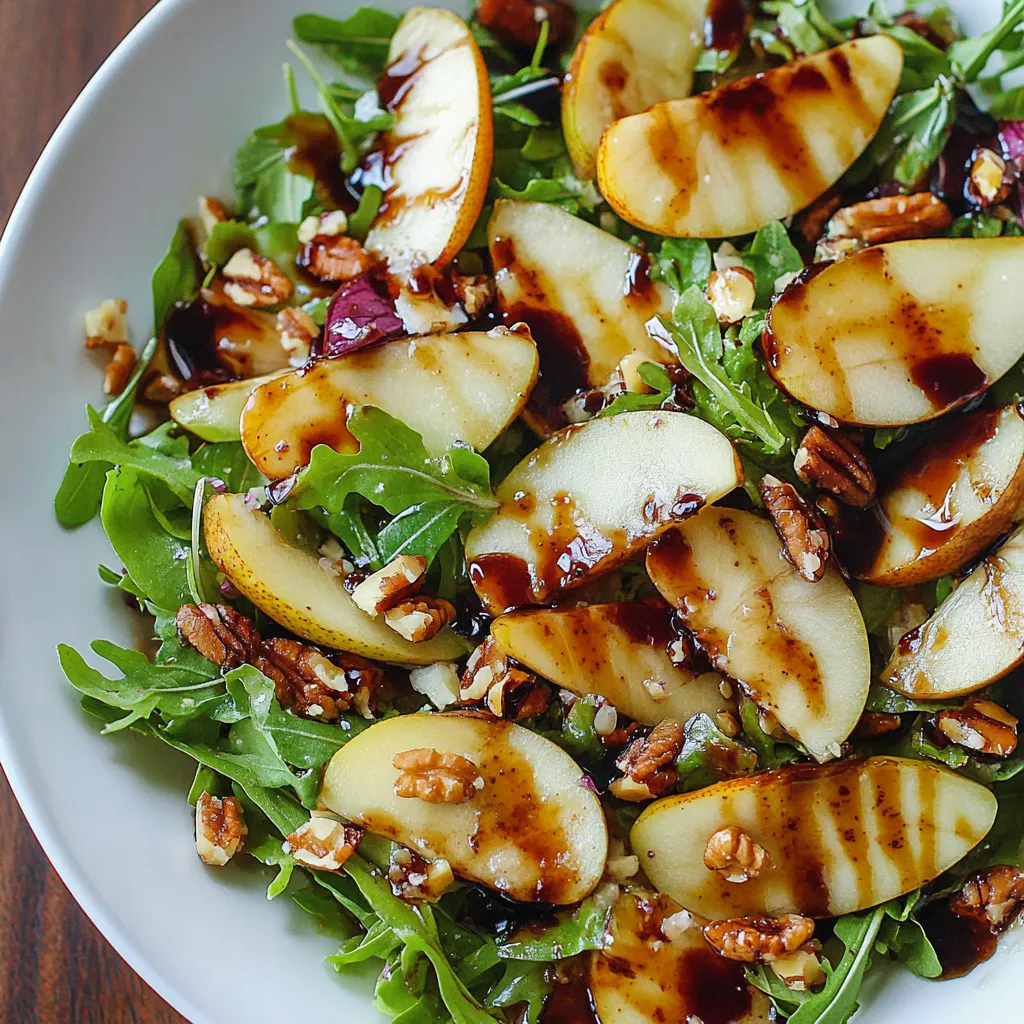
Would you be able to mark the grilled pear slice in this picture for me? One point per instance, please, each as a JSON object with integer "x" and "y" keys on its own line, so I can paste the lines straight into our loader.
{"x": 213, "y": 413}
{"x": 840, "y": 837}
{"x": 901, "y": 333}
{"x": 527, "y": 829}
{"x": 590, "y": 497}
{"x": 975, "y": 637}
{"x": 585, "y": 294}
{"x": 800, "y": 648}
{"x": 447, "y": 387}
{"x": 437, "y": 155}
{"x": 618, "y": 650}
{"x": 943, "y": 507}
{"x": 729, "y": 161}
{"x": 288, "y": 584}
{"x": 634, "y": 54}
{"x": 650, "y": 970}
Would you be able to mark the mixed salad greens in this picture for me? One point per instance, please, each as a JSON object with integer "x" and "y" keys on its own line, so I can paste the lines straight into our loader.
{"x": 575, "y": 483}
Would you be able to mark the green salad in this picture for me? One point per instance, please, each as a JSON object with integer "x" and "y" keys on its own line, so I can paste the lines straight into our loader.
{"x": 575, "y": 483}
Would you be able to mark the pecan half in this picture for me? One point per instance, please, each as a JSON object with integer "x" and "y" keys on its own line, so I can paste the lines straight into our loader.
{"x": 323, "y": 843}
{"x": 888, "y": 219}
{"x": 989, "y": 181}
{"x": 415, "y": 879}
{"x": 876, "y": 723}
{"x": 994, "y": 895}
{"x": 758, "y": 940}
{"x": 306, "y": 681}
{"x": 335, "y": 258}
{"x": 835, "y": 463}
{"x": 980, "y": 725}
{"x": 254, "y": 280}
{"x": 399, "y": 579}
{"x": 427, "y": 774}
{"x": 220, "y": 829}
{"x": 734, "y": 855}
{"x": 648, "y": 763}
{"x": 805, "y": 540}
{"x": 420, "y": 618}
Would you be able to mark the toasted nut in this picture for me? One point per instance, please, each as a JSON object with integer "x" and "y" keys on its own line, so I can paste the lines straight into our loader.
{"x": 298, "y": 332}
{"x": 981, "y": 726}
{"x": 648, "y": 763}
{"x": 420, "y": 618}
{"x": 438, "y": 682}
{"x": 325, "y": 225}
{"x": 418, "y": 880}
{"x": 876, "y": 723}
{"x": 988, "y": 182}
{"x": 835, "y": 463}
{"x": 676, "y": 926}
{"x": 734, "y": 855}
{"x": 335, "y": 258}
{"x": 501, "y": 684}
{"x": 732, "y": 293}
{"x": 437, "y": 778}
{"x": 162, "y": 389}
{"x": 476, "y": 292}
{"x": 107, "y": 324}
{"x": 212, "y": 212}
{"x": 253, "y": 280}
{"x": 759, "y": 940}
{"x": 809, "y": 225}
{"x": 890, "y": 219}
{"x": 323, "y": 843}
{"x": 805, "y": 540}
{"x": 994, "y": 895}
{"x": 398, "y": 580}
{"x": 220, "y": 829}
{"x": 800, "y": 971}
{"x": 119, "y": 370}
{"x": 727, "y": 722}
{"x": 606, "y": 718}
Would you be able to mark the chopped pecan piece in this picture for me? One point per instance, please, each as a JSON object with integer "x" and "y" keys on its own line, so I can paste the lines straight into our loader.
{"x": 994, "y": 895}
{"x": 398, "y": 580}
{"x": 988, "y": 182}
{"x": 298, "y": 332}
{"x": 475, "y": 291}
{"x": 888, "y": 219}
{"x": 335, "y": 258}
{"x": 980, "y": 725}
{"x": 800, "y": 971}
{"x": 804, "y": 538}
{"x": 220, "y": 829}
{"x": 107, "y": 324}
{"x": 437, "y": 778}
{"x": 518, "y": 21}
{"x": 212, "y": 212}
{"x": 420, "y": 618}
{"x": 162, "y": 389}
{"x": 501, "y": 684}
{"x": 835, "y": 463}
{"x": 323, "y": 843}
{"x": 759, "y": 940}
{"x": 734, "y": 855}
{"x": 119, "y": 370}
{"x": 876, "y": 723}
{"x": 415, "y": 879}
{"x": 324, "y": 225}
{"x": 438, "y": 682}
{"x": 732, "y": 294}
{"x": 648, "y": 763}
{"x": 254, "y": 280}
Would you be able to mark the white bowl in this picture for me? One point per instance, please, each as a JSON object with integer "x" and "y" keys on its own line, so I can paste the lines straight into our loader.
{"x": 156, "y": 128}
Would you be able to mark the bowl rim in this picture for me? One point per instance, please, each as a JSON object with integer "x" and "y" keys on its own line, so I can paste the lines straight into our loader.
{"x": 60, "y": 856}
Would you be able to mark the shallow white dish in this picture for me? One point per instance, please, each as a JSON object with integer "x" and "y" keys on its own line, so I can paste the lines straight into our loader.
{"x": 156, "y": 128}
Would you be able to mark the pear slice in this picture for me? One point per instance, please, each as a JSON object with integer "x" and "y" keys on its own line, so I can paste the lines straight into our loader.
{"x": 901, "y": 333}
{"x": 634, "y": 54}
{"x": 447, "y": 387}
{"x": 288, "y": 584}
{"x": 591, "y": 497}
{"x": 437, "y": 155}
{"x": 943, "y": 507}
{"x": 585, "y": 294}
{"x": 213, "y": 413}
{"x": 650, "y": 970}
{"x": 840, "y": 837}
{"x": 530, "y": 831}
{"x": 731, "y": 160}
{"x": 975, "y": 637}
{"x": 800, "y": 648}
{"x": 618, "y": 650}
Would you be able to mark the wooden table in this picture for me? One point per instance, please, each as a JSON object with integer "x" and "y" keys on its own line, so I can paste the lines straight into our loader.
{"x": 55, "y": 968}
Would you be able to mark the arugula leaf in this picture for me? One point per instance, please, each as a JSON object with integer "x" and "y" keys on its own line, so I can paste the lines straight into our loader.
{"x": 358, "y": 43}
{"x": 177, "y": 278}
{"x": 265, "y": 184}
{"x": 428, "y": 496}
{"x": 654, "y": 376}
{"x": 804, "y": 25}
{"x": 683, "y": 262}
{"x": 360, "y": 222}
{"x": 770, "y": 752}
{"x": 577, "y": 735}
{"x": 770, "y": 256}
{"x": 970, "y": 56}
{"x": 574, "y": 932}
{"x": 902, "y": 937}
{"x": 708, "y": 755}
{"x": 881, "y": 698}
{"x": 918, "y": 744}
{"x": 227, "y": 461}
{"x": 523, "y": 982}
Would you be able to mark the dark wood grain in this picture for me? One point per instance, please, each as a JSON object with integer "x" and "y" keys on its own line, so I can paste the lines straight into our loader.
{"x": 55, "y": 967}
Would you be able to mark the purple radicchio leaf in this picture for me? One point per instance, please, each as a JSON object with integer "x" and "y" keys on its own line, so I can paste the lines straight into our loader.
{"x": 359, "y": 315}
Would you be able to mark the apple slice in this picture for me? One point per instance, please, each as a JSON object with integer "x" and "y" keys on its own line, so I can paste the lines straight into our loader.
{"x": 618, "y": 650}
{"x": 289, "y": 585}
{"x": 447, "y": 387}
{"x": 530, "y": 831}
{"x": 633, "y": 55}
{"x": 948, "y": 503}
{"x": 650, "y": 970}
{"x": 591, "y": 497}
{"x": 213, "y": 413}
{"x": 900, "y": 333}
{"x": 437, "y": 155}
{"x": 585, "y": 294}
{"x": 800, "y": 648}
{"x": 731, "y": 160}
{"x": 840, "y": 837}
{"x": 975, "y": 637}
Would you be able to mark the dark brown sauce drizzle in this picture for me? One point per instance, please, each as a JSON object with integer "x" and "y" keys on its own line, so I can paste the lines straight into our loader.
{"x": 570, "y": 1003}
{"x": 394, "y": 85}
{"x": 949, "y": 378}
{"x": 725, "y": 25}
{"x": 712, "y": 988}
{"x": 644, "y": 622}
{"x": 316, "y": 154}
{"x": 961, "y": 943}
